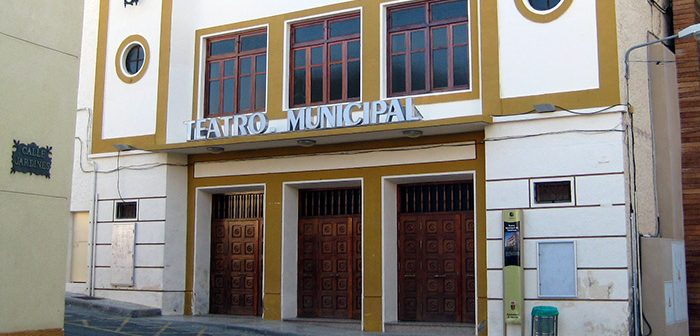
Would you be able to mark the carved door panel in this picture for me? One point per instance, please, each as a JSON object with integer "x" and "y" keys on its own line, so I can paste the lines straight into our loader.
{"x": 236, "y": 267}
{"x": 442, "y": 246}
{"x": 410, "y": 268}
{"x": 469, "y": 297}
{"x": 329, "y": 270}
{"x": 432, "y": 274}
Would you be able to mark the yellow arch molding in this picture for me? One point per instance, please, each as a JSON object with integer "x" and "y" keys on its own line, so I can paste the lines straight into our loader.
{"x": 542, "y": 16}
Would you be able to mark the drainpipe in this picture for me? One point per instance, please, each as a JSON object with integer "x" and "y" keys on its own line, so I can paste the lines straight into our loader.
{"x": 92, "y": 255}
{"x": 93, "y": 233}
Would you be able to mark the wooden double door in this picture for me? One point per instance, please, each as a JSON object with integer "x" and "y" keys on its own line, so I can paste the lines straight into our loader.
{"x": 236, "y": 267}
{"x": 436, "y": 267}
{"x": 330, "y": 267}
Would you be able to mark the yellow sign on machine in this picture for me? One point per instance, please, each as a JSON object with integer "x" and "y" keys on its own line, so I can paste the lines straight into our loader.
{"x": 512, "y": 267}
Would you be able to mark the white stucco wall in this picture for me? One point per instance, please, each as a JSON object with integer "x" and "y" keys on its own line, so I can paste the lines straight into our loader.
{"x": 557, "y": 56}
{"x": 521, "y": 152}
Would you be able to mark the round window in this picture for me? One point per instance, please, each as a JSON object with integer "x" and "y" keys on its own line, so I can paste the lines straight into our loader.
{"x": 544, "y": 5}
{"x": 542, "y": 11}
{"x": 134, "y": 59}
{"x": 131, "y": 60}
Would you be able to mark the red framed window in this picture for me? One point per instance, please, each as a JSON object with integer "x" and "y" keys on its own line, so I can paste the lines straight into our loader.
{"x": 325, "y": 61}
{"x": 428, "y": 47}
{"x": 236, "y": 74}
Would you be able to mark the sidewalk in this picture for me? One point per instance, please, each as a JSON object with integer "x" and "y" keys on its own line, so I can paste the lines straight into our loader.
{"x": 104, "y": 316}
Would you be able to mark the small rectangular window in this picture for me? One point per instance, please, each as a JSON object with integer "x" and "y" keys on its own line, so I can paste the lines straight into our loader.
{"x": 126, "y": 210}
{"x": 552, "y": 192}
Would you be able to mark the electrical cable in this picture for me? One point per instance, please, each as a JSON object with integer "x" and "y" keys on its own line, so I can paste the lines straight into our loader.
{"x": 658, "y": 6}
{"x": 559, "y": 108}
{"x": 118, "y": 190}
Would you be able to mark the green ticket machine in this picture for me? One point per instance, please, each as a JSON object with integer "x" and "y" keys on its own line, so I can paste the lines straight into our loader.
{"x": 512, "y": 267}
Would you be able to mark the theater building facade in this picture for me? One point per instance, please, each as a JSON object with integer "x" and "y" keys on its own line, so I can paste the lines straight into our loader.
{"x": 388, "y": 162}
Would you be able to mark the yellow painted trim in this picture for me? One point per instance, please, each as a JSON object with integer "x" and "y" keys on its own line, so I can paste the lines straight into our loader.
{"x": 164, "y": 72}
{"x": 372, "y": 243}
{"x": 608, "y": 71}
{"x": 100, "y": 145}
{"x": 491, "y": 75}
{"x": 542, "y": 17}
{"x": 120, "y": 57}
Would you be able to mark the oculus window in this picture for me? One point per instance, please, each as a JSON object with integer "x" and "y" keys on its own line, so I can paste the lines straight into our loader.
{"x": 543, "y": 5}
{"x": 236, "y": 74}
{"x": 325, "y": 61}
{"x": 428, "y": 47}
{"x": 134, "y": 60}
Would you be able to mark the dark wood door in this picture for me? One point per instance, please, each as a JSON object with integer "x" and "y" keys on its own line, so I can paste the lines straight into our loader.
{"x": 435, "y": 268}
{"x": 236, "y": 267}
{"x": 330, "y": 267}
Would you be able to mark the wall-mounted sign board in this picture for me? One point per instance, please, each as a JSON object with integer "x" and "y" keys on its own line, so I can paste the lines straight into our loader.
{"x": 31, "y": 159}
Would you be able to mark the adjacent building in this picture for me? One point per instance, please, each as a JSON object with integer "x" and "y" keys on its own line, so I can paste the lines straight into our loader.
{"x": 39, "y": 50}
{"x": 389, "y": 162}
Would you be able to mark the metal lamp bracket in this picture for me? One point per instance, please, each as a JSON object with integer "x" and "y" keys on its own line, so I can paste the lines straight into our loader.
{"x": 131, "y": 2}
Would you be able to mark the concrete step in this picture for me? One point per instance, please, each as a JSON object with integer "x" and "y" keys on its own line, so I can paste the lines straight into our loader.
{"x": 119, "y": 308}
{"x": 429, "y": 328}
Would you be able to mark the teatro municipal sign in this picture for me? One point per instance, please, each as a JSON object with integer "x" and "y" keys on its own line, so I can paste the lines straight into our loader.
{"x": 306, "y": 118}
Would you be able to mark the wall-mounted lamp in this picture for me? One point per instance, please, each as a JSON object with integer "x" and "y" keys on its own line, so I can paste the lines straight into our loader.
{"x": 306, "y": 142}
{"x": 124, "y": 147}
{"x": 545, "y": 108}
{"x": 412, "y": 133}
{"x": 215, "y": 149}
{"x": 131, "y": 2}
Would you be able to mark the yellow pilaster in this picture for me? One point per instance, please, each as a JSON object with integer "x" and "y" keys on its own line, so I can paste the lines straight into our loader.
{"x": 272, "y": 279}
{"x": 372, "y": 254}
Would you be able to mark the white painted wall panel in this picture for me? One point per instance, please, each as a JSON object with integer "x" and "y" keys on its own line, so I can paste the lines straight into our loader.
{"x": 105, "y": 211}
{"x": 494, "y": 254}
{"x": 144, "y": 278}
{"x": 149, "y": 255}
{"x": 565, "y": 222}
{"x": 103, "y": 255}
{"x": 148, "y": 232}
{"x": 513, "y": 194}
{"x": 146, "y": 255}
{"x": 495, "y": 317}
{"x": 133, "y": 183}
{"x": 590, "y": 252}
{"x": 130, "y": 109}
{"x": 547, "y": 154}
{"x": 152, "y": 209}
{"x": 527, "y": 49}
{"x": 586, "y": 317}
{"x": 494, "y": 285}
{"x": 592, "y": 284}
{"x": 600, "y": 190}
{"x": 335, "y": 161}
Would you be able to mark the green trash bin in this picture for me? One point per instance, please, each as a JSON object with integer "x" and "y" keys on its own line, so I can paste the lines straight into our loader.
{"x": 544, "y": 321}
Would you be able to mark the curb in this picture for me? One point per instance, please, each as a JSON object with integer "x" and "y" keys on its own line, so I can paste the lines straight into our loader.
{"x": 111, "y": 306}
